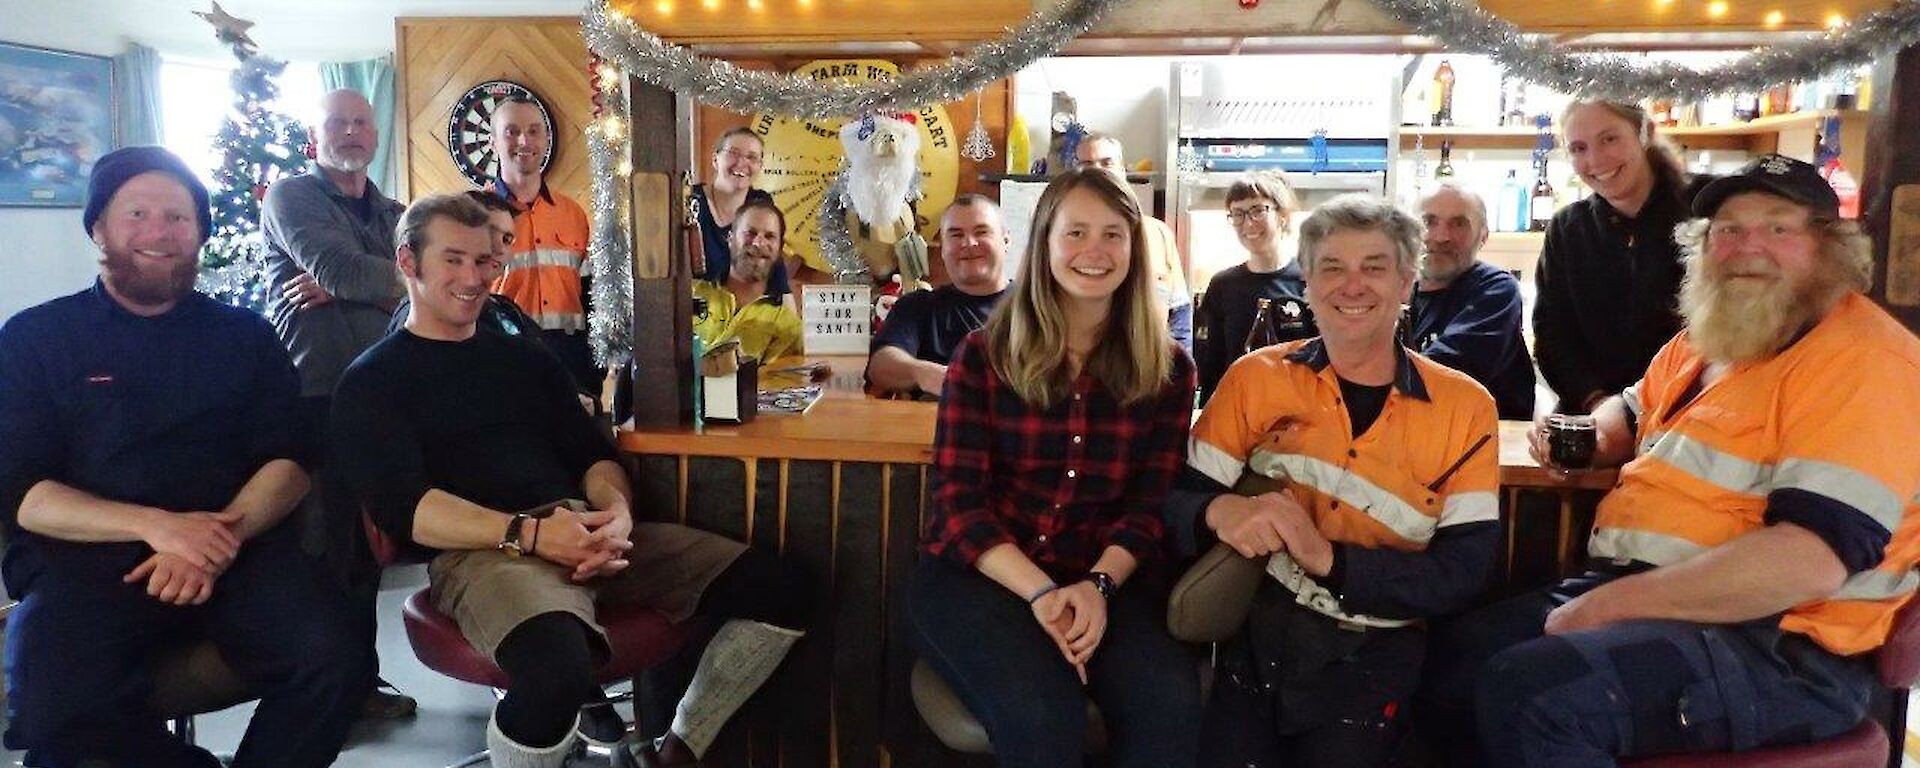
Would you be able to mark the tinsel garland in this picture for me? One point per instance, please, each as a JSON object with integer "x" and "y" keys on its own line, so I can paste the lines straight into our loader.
{"x": 609, "y": 250}
{"x": 1535, "y": 58}
{"x": 746, "y": 91}
{"x": 836, "y": 241}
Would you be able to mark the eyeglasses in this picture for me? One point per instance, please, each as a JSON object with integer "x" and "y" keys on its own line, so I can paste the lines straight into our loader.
{"x": 734, "y": 154}
{"x": 1250, "y": 212}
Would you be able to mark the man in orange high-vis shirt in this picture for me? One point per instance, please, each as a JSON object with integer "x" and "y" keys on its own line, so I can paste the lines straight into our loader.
{"x": 1764, "y": 528}
{"x": 1389, "y": 516}
{"x": 547, "y": 268}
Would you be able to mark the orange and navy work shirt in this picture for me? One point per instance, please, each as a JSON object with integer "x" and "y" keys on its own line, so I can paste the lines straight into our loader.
{"x": 549, "y": 256}
{"x": 1820, "y": 435}
{"x": 1411, "y": 504}
{"x": 1062, "y": 483}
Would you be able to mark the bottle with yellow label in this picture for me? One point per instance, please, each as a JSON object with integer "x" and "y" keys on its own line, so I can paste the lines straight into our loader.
{"x": 1019, "y": 147}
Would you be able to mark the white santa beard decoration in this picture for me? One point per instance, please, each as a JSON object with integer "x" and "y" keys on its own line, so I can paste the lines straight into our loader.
{"x": 881, "y": 167}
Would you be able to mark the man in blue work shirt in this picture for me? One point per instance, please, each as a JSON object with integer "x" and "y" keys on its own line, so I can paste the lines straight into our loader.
{"x": 1466, "y": 314}
{"x": 147, "y": 457}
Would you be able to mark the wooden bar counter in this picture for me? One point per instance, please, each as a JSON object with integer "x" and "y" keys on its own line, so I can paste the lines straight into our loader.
{"x": 843, "y": 490}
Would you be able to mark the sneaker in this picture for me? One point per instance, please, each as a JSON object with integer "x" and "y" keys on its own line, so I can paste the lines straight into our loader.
{"x": 601, "y": 726}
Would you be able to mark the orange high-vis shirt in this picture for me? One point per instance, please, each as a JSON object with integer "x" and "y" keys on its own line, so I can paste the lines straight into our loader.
{"x": 1835, "y": 414}
{"x": 1387, "y": 488}
{"x": 549, "y": 254}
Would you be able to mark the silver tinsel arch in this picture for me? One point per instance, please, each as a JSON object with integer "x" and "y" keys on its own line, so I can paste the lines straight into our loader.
{"x": 1468, "y": 29}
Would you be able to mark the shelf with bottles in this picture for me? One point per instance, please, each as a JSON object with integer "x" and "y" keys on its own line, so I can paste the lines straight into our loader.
{"x": 1741, "y": 136}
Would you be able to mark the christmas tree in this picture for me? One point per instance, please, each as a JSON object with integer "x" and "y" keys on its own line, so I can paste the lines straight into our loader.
{"x": 258, "y": 146}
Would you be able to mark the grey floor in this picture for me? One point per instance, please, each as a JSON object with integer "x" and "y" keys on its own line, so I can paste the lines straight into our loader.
{"x": 451, "y": 723}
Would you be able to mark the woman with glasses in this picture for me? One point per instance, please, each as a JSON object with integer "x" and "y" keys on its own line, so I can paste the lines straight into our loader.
{"x": 1260, "y": 206}
{"x": 1061, "y": 425}
{"x": 737, "y": 159}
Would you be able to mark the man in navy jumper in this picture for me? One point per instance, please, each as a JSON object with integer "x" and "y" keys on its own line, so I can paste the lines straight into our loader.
{"x": 1466, "y": 314}
{"x": 147, "y": 457}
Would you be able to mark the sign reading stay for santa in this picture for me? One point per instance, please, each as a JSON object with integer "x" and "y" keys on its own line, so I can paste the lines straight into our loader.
{"x": 836, "y": 319}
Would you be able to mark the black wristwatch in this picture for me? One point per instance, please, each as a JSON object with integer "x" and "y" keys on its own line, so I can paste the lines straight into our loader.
{"x": 1104, "y": 583}
{"x": 510, "y": 543}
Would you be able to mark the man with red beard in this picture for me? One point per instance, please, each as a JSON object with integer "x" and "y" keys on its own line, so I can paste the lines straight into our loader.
{"x": 147, "y": 459}
{"x": 1761, "y": 534}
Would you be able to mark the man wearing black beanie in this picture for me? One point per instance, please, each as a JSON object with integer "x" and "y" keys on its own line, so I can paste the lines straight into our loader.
{"x": 146, "y": 463}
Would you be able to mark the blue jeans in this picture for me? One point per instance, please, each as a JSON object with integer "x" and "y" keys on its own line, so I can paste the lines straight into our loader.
{"x": 984, "y": 641}
{"x": 80, "y": 651}
{"x": 1636, "y": 688}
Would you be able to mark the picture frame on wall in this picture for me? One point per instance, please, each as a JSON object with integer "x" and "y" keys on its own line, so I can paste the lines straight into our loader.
{"x": 56, "y": 119}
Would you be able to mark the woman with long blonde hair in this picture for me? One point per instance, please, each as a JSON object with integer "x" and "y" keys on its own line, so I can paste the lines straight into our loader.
{"x": 1061, "y": 426}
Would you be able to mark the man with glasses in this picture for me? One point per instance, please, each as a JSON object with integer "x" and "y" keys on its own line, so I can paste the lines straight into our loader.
{"x": 1260, "y": 207}
{"x": 1103, "y": 151}
{"x": 1467, "y": 313}
{"x": 1762, "y": 533}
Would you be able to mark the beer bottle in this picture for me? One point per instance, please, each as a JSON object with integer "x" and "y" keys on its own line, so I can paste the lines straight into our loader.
{"x": 1261, "y": 334}
{"x": 1443, "y": 94}
{"x": 1542, "y": 205}
{"x": 1445, "y": 169}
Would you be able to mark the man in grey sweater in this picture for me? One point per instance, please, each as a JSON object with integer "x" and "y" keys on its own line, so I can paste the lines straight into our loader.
{"x": 329, "y": 262}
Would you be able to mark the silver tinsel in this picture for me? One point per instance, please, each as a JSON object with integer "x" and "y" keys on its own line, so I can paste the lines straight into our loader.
{"x": 1535, "y": 58}
{"x": 836, "y": 242}
{"x": 609, "y": 249}
{"x": 620, "y": 40}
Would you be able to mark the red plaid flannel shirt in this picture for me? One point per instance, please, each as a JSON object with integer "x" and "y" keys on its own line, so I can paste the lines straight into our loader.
{"x": 1061, "y": 483}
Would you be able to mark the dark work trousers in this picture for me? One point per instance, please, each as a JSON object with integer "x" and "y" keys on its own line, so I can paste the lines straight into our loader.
{"x": 1632, "y": 689}
{"x": 1295, "y": 688}
{"x": 80, "y": 649}
{"x": 985, "y": 642}
{"x": 328, "y": 520}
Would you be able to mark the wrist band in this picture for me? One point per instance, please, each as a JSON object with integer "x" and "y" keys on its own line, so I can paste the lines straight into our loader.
{"x": 1044, "y": 591}
{"x": 533, "y": 544}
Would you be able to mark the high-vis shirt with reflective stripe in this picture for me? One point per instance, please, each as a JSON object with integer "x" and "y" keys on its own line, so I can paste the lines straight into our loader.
{"x": 1278, "y": 412}
{"x": 766, "y": 329}
{"x": 1835, "y": 414}
{"x": 549, "y": 253}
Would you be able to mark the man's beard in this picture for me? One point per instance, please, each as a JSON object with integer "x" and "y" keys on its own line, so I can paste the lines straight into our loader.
{"x": 148, "y": 287}
{"x": 1431, "y": 270}
{"x": 1738, "y": 321}
{"x": 333, "y": 162}
{"x": 754, "y": 270}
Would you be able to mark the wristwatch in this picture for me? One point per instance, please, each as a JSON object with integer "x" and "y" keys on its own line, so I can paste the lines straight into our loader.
{"x": 510, "y": 543}
{"x": 1104, "y": 583}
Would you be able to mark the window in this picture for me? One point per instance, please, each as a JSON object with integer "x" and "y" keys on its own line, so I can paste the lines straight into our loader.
{"x": 195, "y": 100}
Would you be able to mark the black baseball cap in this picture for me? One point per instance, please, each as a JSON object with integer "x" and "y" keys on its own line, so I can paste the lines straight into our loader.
{"x": 1777, "y": 175}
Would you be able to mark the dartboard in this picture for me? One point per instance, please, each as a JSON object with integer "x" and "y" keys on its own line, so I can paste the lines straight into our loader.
{"x": 470, "y": 128}
{"x": 803, "y": 158}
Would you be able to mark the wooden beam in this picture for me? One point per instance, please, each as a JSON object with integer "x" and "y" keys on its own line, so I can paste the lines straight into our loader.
{"x": 662, "y": 375}
{"x": 1890, "y": 188}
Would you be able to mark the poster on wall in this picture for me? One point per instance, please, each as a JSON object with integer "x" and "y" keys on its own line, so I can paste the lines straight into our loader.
{"x": 803, "y": 156}
{"x": 56, "y": 119}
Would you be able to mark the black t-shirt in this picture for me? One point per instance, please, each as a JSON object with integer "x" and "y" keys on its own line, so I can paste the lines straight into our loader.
{"x": 719, "y": 252}
{"x": 1225, "y": 314}
{"x": 929, "y": 324}
{"x": 1364, "y": 404}
{"x": 491, "y": 419}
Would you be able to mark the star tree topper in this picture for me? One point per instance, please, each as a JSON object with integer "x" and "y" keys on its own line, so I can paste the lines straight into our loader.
{"x": 228, "y": 28}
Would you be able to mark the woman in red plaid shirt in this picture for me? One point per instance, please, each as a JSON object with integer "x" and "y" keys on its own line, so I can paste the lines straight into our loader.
{"x": 1061, "y": 426}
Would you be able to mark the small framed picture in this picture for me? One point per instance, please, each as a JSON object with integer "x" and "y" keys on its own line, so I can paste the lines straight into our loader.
{"x": 56, "y": 119}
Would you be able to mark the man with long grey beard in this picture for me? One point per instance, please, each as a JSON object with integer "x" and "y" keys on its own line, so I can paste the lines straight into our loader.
{"x": 1761, "y": 533}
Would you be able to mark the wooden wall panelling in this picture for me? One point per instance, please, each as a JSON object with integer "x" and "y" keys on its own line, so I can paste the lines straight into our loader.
{"x": 440, "y": 58}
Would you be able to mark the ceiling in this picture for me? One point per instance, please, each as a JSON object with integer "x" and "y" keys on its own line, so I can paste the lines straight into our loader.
{"x": 317, "y": 30}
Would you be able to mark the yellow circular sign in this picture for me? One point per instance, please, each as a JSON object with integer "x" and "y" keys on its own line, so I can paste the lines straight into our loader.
{"x": 802, "y": 157}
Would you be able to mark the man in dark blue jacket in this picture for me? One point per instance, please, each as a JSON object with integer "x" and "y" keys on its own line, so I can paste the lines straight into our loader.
{"x": 148, "y": 454}
{"x": 1466, "y": 314}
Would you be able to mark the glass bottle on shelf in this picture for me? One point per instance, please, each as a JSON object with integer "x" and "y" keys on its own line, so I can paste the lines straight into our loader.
{"x": 1541, "y": 206}
{"x": 1445, "y": 168}
{"x": 1442, "y": 94}
{"x": 1780, "y": 99}
{"x": 1661, "y": 112}
{"x": 1261, "y": 335}
{"x": 1510, "y": 208}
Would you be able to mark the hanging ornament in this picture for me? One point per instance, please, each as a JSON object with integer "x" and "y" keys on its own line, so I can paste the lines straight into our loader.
{"x": 1249, "y": 4}
{"x": 978, "y": 145}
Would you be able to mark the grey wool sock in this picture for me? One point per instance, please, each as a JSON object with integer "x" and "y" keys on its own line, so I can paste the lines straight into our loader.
{"x": 506, "y": 753}
{"x": 741, "y": 657}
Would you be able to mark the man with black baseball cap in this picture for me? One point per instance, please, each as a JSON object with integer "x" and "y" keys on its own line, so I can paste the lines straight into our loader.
{"x": 146, "y": 462}
{"x": 1760, "y": 537}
